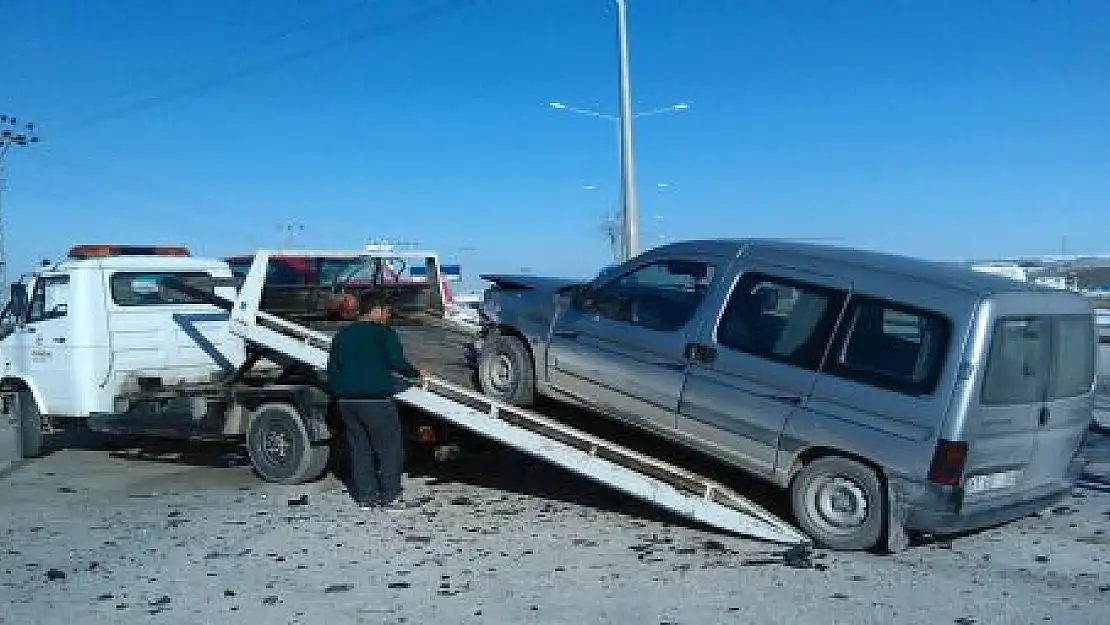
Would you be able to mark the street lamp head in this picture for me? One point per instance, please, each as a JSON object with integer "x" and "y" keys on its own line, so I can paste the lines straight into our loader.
{"x": 557, "y": 105}
{"x": 682, "y": 106}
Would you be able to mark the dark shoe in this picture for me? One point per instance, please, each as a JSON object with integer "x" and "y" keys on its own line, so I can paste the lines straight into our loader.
{"x": 397, "y": 505}
{"x": 366, "y": 503}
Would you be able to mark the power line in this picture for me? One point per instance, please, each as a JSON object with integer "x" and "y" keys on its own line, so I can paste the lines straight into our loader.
{"x": 414, "y": 19}
{"x": 217, "y": 59}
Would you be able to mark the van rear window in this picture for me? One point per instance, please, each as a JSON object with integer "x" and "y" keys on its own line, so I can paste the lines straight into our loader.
{"x": 1037, "y": 358}
{"x": 1073, "y": 357}
{"x": 1018, "y": 363}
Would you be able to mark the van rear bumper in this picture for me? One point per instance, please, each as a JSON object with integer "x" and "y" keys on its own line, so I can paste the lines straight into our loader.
{"x": 979, "y": 517}
{"x": 933, "y": 510}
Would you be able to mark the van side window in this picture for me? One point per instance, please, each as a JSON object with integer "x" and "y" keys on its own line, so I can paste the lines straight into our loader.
{"x": 891, "y": 346}
{"x": 780, "y": 319}
{"x": 660, "y": 296}
{"x": 156, "y": 288}
{"x": 1017, "y": 367}
{"x": 50, "y": 299}
{"x": 1073, "y": 357}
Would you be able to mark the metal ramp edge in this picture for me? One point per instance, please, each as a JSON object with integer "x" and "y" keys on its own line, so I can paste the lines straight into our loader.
{"x": 650, "y": 479}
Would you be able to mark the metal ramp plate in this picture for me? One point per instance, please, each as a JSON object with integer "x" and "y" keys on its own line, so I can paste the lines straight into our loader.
{"x": 690, "y": 495}
{"x": 650, "y": 479}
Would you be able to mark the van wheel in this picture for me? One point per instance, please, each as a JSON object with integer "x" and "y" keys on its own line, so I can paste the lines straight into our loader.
{"x": 30, "y": 425}
{"x": 280, "y": 447}
{"x": 839, "y": 503}
{"x": 506, "y": 371}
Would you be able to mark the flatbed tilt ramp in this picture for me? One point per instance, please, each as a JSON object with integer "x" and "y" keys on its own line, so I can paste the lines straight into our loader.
{"x": 655, "y": 481}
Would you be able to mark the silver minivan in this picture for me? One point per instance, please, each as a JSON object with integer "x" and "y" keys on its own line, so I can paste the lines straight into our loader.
{"x": 884, "y": 393}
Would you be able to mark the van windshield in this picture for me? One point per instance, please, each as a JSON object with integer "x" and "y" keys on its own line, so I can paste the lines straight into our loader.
{"x": 1037, "y": 358}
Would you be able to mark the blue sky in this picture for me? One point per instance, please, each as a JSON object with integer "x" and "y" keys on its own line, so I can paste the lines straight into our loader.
{"x": 936, "y": 128}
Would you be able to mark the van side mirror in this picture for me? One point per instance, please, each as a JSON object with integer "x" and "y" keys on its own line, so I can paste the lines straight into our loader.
{"x": 768, "y": 298}
{"x": 583, "y": 298}
{"x": 19, "y": 300}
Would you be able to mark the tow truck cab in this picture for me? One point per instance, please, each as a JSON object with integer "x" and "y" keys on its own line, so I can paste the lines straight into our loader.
{"x": 78, "y": 334}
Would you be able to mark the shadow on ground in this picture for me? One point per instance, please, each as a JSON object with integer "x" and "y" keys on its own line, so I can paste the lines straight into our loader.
{"x": 148, "y": 449}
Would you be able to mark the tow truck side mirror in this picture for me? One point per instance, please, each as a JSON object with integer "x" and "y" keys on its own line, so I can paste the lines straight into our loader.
{"x": 19, "y": 300}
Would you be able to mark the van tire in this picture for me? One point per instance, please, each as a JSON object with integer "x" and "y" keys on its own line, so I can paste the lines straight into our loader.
{"x": 30, "y": 425}
{"x": 506, "y": 371}
{"x": 280, "y": 447}
{"x": 839, "y": 503}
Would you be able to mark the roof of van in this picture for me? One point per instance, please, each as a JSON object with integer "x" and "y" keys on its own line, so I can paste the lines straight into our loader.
{"x": 948, "y": 274}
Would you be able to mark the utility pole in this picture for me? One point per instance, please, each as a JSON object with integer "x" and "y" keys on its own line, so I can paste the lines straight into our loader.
{"x": 628, "y": 177}
{"x": 11, "y": 134}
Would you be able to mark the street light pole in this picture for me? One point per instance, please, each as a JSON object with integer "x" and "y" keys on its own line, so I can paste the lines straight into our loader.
{"x": 11, "y": 134}
{"x": 628, "y": 169}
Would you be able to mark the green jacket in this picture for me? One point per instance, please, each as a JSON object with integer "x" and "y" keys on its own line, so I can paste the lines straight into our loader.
{"x": 360, "y": 361}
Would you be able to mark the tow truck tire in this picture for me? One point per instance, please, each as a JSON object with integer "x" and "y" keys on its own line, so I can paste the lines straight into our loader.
{"x": 839, "y": 503}
{"x": 30, "y": 425}
{"x": 505, "y": 370}
{"x": 280, "y": 447}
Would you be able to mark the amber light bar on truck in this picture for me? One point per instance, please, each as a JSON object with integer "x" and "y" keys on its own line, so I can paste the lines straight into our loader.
{"x": 82, "y": 252}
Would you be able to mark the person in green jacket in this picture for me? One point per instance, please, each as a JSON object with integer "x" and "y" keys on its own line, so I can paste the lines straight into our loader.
{"x": 362, "y": 359}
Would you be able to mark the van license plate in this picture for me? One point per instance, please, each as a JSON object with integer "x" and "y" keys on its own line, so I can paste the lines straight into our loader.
{"x": 991, "y": 481}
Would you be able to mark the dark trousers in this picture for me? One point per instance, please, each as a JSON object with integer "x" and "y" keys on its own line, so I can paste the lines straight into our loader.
{"x": 376, "y": 449}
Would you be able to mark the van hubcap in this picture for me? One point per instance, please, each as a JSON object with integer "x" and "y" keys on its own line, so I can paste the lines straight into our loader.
{"x": 841, "y": 502}
{"x": 277, "y": 445}
{"x": 501, "y": 373}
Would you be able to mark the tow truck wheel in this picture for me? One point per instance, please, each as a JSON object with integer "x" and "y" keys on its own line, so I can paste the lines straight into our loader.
{"x": 505, "y": 370}
{"x": 839, "y": 503}
{"x": 280, "y": 447}
{"x": 30, "y": 424}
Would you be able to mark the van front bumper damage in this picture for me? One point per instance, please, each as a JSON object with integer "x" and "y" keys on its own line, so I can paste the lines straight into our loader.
{"x": 945, "y": 510}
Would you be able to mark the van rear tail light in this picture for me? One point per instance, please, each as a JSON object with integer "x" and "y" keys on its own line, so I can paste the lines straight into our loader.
{"x": 948, "y": 464}
{"x": 426, "y": 434}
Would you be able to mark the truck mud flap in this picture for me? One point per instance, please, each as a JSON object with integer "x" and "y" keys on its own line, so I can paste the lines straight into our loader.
{"x": 11, "y": 446}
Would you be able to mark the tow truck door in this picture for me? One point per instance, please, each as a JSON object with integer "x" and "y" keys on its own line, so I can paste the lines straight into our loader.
{"x": 45, "y": 339}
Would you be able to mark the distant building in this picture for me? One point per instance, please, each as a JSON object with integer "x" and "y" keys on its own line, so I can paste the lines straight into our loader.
{"x": 1089, "y": 275}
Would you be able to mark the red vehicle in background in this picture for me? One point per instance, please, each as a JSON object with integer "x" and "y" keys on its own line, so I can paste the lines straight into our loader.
{"x": 318, "y": 289}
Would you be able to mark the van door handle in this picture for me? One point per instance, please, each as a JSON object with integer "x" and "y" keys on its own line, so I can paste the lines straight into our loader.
{"x": 1042, "y": 418}
{"x": 565, "y": 334}
{"x": 699, "y": 352}
{"x": 59, "y": 339}
{"x": 793, "y": 400}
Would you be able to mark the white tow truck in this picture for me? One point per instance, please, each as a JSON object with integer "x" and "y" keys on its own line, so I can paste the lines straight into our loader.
{"x": 152, "y": 341}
